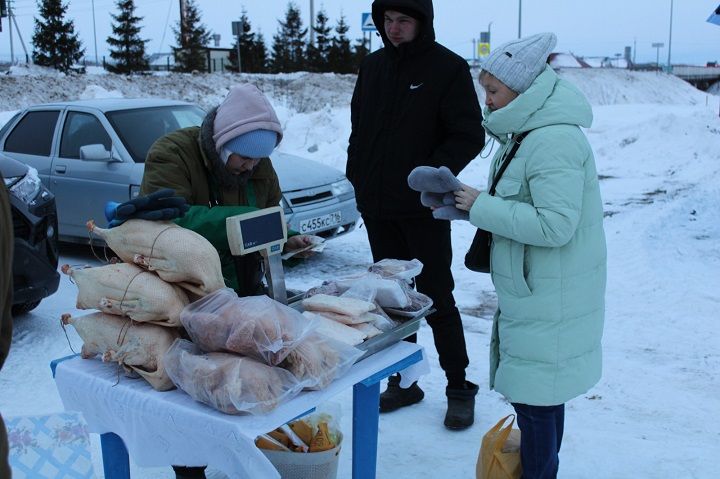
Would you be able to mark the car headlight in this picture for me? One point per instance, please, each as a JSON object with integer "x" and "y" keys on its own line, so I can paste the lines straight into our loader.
{"x": 27, "y": 189}
{"x": 342, "y": 188}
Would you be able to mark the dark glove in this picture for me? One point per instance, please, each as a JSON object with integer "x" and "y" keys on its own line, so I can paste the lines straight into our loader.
{"x": 161, "y": 205}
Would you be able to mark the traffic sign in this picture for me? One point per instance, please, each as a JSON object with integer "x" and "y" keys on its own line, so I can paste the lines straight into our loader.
{"x": 715, "y": 16}
{"x": 367, "y": 23}
{"x": 483, "y": 49}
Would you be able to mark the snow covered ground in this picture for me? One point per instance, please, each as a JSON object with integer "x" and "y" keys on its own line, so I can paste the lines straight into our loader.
{"x": 654, "y": 414}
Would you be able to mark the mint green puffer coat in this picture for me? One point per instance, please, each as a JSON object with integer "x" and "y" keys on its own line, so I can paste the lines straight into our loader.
{"x": 548, "y": 259}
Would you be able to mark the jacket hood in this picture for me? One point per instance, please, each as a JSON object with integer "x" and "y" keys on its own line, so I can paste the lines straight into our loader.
{"x": 549, "y": 100}
{"x": 426, "y": 35}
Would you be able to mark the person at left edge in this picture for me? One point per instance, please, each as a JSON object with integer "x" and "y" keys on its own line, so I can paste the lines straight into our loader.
{"x": 6, "y": 292}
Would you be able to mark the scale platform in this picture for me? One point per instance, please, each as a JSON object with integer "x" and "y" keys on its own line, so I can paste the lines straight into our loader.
{"x": 405, "y": 327}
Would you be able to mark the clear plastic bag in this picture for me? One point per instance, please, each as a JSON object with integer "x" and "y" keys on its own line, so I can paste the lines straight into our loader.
{"x": 227, "y": 382}
{"x": 318, "y": 360}
{"x": 370, "y": 287}
{"x": 397, "y": 268}
{"x": 387, "y": 292}
{"x": 419, "y": 303}
{"x": 254, "y": 326}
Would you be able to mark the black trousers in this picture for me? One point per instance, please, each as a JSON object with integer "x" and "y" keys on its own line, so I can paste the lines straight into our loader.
{"x": 4, "y": 451}
{"x": 184, "y": 472}
{"x": 429, "y": 241}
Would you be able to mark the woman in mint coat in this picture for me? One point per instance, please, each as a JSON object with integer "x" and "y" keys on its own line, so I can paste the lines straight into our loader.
{"x": 548, "y": 256}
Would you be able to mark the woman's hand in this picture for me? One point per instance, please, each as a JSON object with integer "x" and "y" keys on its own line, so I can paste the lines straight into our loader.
{"x": 465, "y": 197}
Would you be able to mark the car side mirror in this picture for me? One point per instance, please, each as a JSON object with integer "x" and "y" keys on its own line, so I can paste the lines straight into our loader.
{"x": 96, "y": 152}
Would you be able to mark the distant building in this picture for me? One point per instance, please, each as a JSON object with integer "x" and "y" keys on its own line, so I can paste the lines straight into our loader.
{"x": 606, "y": 62}
{"x": 566, "y": 60}
{"x": 217, "y": 60}
{"x": 161, "y": 61}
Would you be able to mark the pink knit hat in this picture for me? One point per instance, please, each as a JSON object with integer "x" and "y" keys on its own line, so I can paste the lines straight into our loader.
{"x": 243, "y": 110}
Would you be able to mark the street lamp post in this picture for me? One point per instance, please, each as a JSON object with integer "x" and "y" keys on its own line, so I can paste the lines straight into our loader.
{"x": 669, "y": 65}
{"x": 519, "y": 18}
{"x": 94, "y": 31}
{"x": 312, "y": 23}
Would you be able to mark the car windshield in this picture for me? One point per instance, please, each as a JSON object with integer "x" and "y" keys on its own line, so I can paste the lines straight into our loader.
{"x": 139, "y": 128}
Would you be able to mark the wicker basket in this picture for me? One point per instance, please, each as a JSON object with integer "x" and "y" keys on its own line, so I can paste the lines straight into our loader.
{"x": 310, "y": 465}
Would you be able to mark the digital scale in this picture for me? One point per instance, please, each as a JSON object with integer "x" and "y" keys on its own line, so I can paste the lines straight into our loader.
{"x": 264, "y": 231}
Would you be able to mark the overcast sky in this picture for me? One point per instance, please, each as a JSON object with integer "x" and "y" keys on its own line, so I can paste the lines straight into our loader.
{"x": 584, "y": 28}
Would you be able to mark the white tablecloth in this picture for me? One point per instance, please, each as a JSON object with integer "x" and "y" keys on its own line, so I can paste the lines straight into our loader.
{"x": 163, "y": 428}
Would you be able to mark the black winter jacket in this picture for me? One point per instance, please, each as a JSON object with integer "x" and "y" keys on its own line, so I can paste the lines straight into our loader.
{"x": 413, "y": 105}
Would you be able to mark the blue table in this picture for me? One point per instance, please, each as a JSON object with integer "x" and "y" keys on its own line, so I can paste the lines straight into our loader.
{"x": 72, "y": 373}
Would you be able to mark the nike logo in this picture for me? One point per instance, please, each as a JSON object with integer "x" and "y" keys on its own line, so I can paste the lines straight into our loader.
{"x": 415, "y": 87}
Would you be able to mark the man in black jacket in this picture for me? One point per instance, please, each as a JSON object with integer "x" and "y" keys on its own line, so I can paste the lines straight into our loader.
{"x": 415, "y": 104}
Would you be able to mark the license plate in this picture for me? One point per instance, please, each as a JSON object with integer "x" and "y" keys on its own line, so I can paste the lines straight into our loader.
{"x": 320, "y": 222}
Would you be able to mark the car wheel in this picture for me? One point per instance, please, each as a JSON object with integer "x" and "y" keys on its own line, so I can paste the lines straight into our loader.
{"x": 23, "y": 308}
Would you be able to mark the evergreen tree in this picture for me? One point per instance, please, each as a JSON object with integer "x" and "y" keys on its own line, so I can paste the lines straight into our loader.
{"x": 289, "y": 43}
{"x": 55, "y": 43}
{"x": 192, "y": 37}
{"x": 318, "y": 53}
{"x": 258, "y": 62}
{"x": 253, "y": 53}
{"x": 126, "y": 46}
{"x": 360, "y": 51}
{"x": 340, "y": 55}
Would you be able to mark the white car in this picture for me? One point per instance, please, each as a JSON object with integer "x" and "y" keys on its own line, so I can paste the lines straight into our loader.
{"x": 90, "y": 152}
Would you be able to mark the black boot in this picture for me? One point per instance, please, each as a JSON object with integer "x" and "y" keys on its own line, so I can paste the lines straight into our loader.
{"x": 395, "y": 397}
{"x": 183, "y": 472}
{"x": 461, "y": 407}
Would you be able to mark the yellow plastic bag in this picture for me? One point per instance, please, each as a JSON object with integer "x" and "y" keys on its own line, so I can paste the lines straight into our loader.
{"x": 499, "y": 456}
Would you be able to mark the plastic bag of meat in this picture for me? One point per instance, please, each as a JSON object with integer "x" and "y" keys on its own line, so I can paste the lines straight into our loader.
{"x": 125, "y": 289}
{"x": 254, "y": 326}
{"x": 390, "y": 268}
{"x": 227, "y": 382}
{"x": 138, "y": 347}
{"x": 319, "y": 359}
{"x": 177, "y": 254}
{"x": 369, "y": 287}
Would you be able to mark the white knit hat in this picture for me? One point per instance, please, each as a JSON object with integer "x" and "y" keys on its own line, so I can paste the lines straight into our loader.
{"x": 519, "y": 62}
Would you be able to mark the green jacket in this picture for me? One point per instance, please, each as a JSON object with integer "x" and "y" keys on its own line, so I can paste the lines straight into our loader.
{"x": 548, "y": 258}
{"x": 181, "y": 160}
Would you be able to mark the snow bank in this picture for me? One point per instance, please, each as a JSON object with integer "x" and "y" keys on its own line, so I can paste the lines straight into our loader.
{"x": 308, "y": 92}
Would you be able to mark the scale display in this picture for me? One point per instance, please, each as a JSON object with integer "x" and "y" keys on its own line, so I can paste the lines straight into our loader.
{"x": 257, "y": 230}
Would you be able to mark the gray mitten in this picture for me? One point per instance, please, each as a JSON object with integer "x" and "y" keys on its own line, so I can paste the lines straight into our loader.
{"x": 437, "y": 187}
{"x": 433, "y": 180}
{"x": 450, "y": 213}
